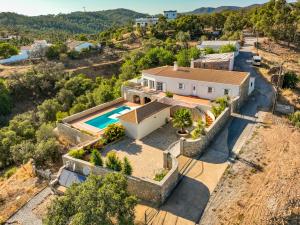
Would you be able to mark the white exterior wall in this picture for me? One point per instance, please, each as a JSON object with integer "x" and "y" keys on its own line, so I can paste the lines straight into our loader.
{"x": 216, "y": 47}
{"x": 171, "y": 84}
{"x": 147, "y": 126}
{"x": 83, "y": 46}
{"x": 231, "y": 64}
{"x": 16, "y": 58}
{"x": 170, "y": 15}
{"x": 251, "y": 85}
{"x": 143, "y": 22}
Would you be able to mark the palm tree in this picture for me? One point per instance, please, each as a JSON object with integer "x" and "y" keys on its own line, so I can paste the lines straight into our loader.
{"x": 182, "y": 119}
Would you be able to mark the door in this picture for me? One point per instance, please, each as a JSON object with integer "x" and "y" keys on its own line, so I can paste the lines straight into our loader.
{"x": 194, "y": 90}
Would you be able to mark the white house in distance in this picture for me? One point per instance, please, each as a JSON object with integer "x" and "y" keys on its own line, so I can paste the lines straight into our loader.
{"x": 79, "y": 45}
{"x": 216, "y": 45}
{"x": 36, "y": 50}
{"x": 170, "y": 14}
{"x": 202, "y": 83}
{"x": 222, "y": 61}
{"x": 142, "y": 121}
{"x": 144, "y": 22}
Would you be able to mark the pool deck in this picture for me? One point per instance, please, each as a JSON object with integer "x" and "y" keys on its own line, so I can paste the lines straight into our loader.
{"x": 81, "y": 125}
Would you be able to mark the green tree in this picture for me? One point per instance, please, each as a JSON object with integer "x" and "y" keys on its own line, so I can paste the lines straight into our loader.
{"x": 96, "y": 158}
{"x": 47, "y": 111}
{"x": 99, "y": 200}
{"x": 46, "y": 150}
{"x": 126, "y": 167}
{"x": 5, "y": 99}
{"x": 7, "y": 50}
{"x": 113, "y": 162}
{"x": 22, "y": 152}
{"x": 290, "y": 80}
{"x": 183, "y": 38}
{"x": 44, "y": 132}
{"x": 182, "y": 119}
{"x": 199, "y": 130}
{"x": 103, "y": 93}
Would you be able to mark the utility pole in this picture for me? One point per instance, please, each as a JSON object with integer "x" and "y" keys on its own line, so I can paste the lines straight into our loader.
{"x": 278, "y": 86}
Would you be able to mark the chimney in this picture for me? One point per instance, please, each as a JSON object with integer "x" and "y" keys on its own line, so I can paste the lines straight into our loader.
{"x": 175, "y": 66}
{"x": 192, "y": 63}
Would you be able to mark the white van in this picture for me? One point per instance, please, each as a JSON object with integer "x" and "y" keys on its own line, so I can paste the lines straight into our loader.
{"x": 256, "y": 61}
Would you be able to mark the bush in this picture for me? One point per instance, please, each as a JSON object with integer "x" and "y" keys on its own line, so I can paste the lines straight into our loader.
{"x": 222, "y": 104}
{"x": 96, "y": 158}
{"x": 46, "y": 150}
{"x": 199, "y": 130}
{"x": 169, "y": 94}
{"x": 113, "y": 162}
{"x": 209, "y": 51}
{"x": 126, "y": 167}
{"x": 77, "y": 153}
{"x": 100, "y": 144}
{"x": 114, "y": 132}
{"x": 216, "y": 110}
{"x": 10, "y": 172}
{"x": 290, "y": 80}
{"x": 160, "y": 175}
{"x": 295, "y": 119}
{"x": 227, "y": 48}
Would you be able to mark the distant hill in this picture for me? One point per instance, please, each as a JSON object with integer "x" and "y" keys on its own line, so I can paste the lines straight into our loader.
{"x": 205, "y": 10}
{"x": 75, "y": 22}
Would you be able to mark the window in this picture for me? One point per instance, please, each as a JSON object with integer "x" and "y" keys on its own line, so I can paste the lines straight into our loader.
{"x": 145, "y": 82}
{"x": 226, "y": 91}
{"x": 181, "y": 86}
{"x": 159, "y": 86}
{"x": 209, "y": 89}
{"x": 151, "y": 84}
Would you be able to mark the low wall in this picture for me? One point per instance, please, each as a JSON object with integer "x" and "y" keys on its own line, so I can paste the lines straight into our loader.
{"x": 192, "y": 148}
{"x": 92, "y": 110}
{"x": 74, "y": 136}
{"x": 145, "y": 189}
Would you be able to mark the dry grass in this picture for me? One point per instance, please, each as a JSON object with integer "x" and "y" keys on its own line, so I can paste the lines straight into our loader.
{"x": 7, "y": 70}
{"x": 262, "y": 187}
{"x": 17, "y": 190}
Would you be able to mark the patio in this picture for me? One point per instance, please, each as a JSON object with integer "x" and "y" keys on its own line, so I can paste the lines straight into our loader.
{"x": 146, "y": 155}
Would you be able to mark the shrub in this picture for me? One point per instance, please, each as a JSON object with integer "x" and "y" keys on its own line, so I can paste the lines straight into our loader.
{"x": 290, "y": 80}
{"x": 77, "y": 153}
{"x": 221, "y": 105}
{"x": 113, "y": 162}
{"x": 96, "y": 158}
{"x": 126, "y": 167}
{"x": 100, "y": 144}
{"x": 216, "y": 110}
{"x": 10, "y": 172}
{"x": 227, "y": 48}
{"x": 114, "y": 132}
{"x": 295, "y": 119}
{"x": 160, "y": 175}
{"x": 169, "y": 94}
{"x": 182, "y": 119}
{"x": 209, "y": 51}
{"x": 199, "y": 130}
{"x": 46, "y": 150}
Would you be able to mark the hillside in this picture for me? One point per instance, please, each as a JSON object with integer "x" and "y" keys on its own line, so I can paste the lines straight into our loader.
{"x": 205, "y": 10}
{"x": 75, "y": 22}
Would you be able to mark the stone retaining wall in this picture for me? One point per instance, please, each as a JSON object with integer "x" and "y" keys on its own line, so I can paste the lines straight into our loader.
{"x": 92, "y": 110}
{"x": 72, "y": 135}
{"x": 192, "y": 148}
{"x": 145, "y": 189}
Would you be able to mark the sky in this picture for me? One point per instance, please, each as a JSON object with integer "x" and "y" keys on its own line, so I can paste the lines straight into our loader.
{"x": 42, "y": 7}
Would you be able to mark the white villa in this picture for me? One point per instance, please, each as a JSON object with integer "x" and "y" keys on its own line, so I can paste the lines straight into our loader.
{"x": 203, "y": 83}
{"x": 216, "y": 45}
{"x": 144, "y": 22}
{"x": 170, "y": 14}
{"x": 36, "y": 50}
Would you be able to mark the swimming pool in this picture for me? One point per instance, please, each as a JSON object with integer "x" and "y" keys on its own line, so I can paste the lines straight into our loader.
{"x": 108, "y": 118}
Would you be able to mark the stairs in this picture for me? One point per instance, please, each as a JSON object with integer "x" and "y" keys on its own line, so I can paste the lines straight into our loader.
{"x": 208, "y": 120}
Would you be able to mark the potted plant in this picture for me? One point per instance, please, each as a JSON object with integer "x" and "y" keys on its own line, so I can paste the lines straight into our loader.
{"x": 182, "y": 120}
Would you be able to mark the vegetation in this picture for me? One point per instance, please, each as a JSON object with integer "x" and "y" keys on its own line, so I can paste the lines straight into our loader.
{"x": 295, "y": 119}
{"x": 169, "y": 94}
{"x": 5, "y": 100}
{"x": 96, "y": 158}
{"x": 126, "y": 167}
{"x": 11, "y": 171}
{"x": 99, "y": 200}
{"x": 113, "y": 162}
{"x": 7, "y": 50}
{"x": 113, "y": 132}
{"x": 290, "y": 80}
{"x": 220, "y": 106}
{"x": 77, "y": 153}
{"x": 227, "y": 48}
{"x": 199, "y": 130}
{"x": 182, "y": 119}
{"x": 160, "y": 175}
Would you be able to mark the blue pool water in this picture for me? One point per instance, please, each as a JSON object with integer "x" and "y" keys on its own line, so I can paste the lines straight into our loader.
{"x": 106, "y": 119}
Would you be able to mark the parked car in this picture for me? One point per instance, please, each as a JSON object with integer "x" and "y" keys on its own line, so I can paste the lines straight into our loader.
{"x": 256, "y": 61}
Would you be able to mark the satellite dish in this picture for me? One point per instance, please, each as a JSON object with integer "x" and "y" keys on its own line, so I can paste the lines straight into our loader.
{"x": 86, "y": 171}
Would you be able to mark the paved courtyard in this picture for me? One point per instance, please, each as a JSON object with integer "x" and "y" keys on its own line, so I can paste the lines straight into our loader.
{"x": 146, "y": 155}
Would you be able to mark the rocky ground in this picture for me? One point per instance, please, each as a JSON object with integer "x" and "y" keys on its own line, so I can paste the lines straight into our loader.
{"x": 263, "y": 185}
